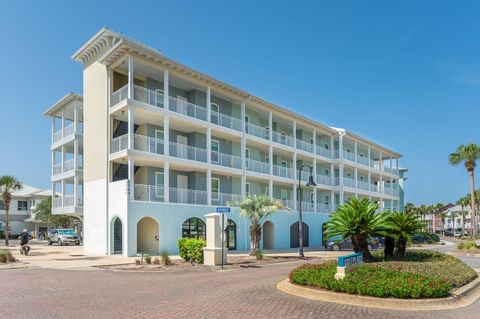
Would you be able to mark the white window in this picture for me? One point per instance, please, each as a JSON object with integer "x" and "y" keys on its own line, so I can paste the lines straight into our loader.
{"x": 215, "y": 148}
{"x": 326, "y": 172}
{"x": 247, "y": 157}
{"x": 247, "y": 189}
{"x": 214, "y": 112}
{"x": 159, "y": 182}
{"x": 22, "y": 205}
{"x": 158, "y": 144}
{"x": 158, "y": 97}
{"x": 159, "y": 135}
{"x": 215, "y": 188}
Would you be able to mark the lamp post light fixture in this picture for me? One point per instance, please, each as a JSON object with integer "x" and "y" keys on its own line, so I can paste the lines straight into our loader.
{"x": 310, "y": 183}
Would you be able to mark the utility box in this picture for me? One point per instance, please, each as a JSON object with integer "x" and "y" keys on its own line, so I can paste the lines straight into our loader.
{"x": 212, "y": 254}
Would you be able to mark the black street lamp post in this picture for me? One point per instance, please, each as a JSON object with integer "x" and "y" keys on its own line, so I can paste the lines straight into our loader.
{"x": 310, "y": 183}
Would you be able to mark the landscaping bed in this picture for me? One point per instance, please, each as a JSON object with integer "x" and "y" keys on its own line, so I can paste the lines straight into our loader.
{"x": 421, "y": 274}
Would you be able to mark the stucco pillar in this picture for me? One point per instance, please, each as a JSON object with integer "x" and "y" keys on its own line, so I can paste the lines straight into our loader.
{"x": 270, "y": 158}
{"x": 356, "y": 177}
{"x": 243, "y": 147}
{"x": 209, "y": 187}
{"x": 391, "y": 164}
{"x": 166, "y": 182}
{"x": 75, "y": 191}
{"x": 209, "y": 104}
{"x": 294, "y": 198}
{"x": 332, "y": 174}
{"x": 270, "y": 126}
{"x": 380, "y": 184}
{"x": 380, "y": 162}
{"x": 332, "y": 147}
{"x": 166, "y": 135}
{"x": 270, "y": 188}
{"x": 212, "y": 253}
{"x": 332, "y": 200}
{"x": 131, "y": 128}
{"x": 62, "y": 183}
{"x": 53, "y": 127}
{"x": 131, "y": 84}
{"x": 63, "y": 159}
{"x": 166, "y": 94}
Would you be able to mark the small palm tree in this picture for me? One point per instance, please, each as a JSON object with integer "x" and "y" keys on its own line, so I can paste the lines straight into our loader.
{"x": 358, "y": 220}
{"x": 403, "y": 225}
{"x": 256, "y": 208}
{"x": 468, "y": 154}
{"x": 8, "y": 184}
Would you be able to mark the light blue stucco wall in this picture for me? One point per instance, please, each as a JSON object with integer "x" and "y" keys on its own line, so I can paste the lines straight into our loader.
{"x": 170, "y": 218}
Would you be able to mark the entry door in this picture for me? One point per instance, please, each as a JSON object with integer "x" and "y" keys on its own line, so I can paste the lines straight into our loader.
{"x": 182, "y": 186}
{"x": 182, "y": 150}
{"x": 182, "y": 104}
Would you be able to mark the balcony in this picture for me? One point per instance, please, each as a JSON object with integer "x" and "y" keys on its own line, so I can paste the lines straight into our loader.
{"x": 66, "y": 132}
{"x": 323, "y": 179}
{"x": 223, "y": 199}
{"x": 119, "y": 95}
{"x": 256, "y": 130}
{"x": 148, "y": 193}
{"x": 363, "y": 185}
{"x": 66, "y": 201}
{"x": 119, "y": 143}
{"x": 226, "y": 121}
{"x": 305, "y": 146}
{"x": 188, "y": 152}
{"x": 322, "y": 151}
{"x": 336, "y": 181}
{"x": 323, "y": 208}
{"x": 257, "y": 166}
{"x": 349, "y": 182}
{"x": 283, "y": 171}
{"x": 188, "y": 196}
{"x": 226, "y": 160}
{"x": 283, "y": 139}
{"x": 363, "y": 160}
{"x": 349, "y": 156}
{"x": 306, "y": 206}
{"x": 187, "y": 108}
{"x": 68, "y": 166}
{"x": 286, "y": 202}
{"x": 145, "y": 95}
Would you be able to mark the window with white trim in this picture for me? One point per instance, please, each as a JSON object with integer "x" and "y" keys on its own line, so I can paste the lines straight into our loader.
{"x": 247, "y": 189}
{"x": 215, "y": 186}
{"x": 215, "y": 148}
{"x": 159, "y": 183}
{"x": 22, "y": 205}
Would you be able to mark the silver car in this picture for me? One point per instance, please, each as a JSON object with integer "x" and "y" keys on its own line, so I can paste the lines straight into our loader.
{"x": 63, "y": 237}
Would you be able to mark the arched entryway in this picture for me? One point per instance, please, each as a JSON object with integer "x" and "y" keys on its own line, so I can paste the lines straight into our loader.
{"x": 294, "y": 236}
{"x": 147, "y": 236}
{"x": 231, "y": 235}
{"x": 194, "y": 228}
{"x": 324, "y": 235}
{"x": 117, "y": 236}
{"x": 268, "y": 235}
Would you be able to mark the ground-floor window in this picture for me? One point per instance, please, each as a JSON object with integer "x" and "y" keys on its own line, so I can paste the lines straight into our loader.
{"x": 194, "y": 228}
{"x": 231, "y": 235}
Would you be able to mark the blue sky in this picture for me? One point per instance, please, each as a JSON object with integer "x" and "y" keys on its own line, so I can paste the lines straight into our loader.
{"x": 404, "y": 74}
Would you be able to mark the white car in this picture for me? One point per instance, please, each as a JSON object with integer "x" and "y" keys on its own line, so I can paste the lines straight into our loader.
{"x": 63, "y": 237}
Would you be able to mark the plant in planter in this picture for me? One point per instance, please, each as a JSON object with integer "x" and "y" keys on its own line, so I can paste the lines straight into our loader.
{"x": 402, "y": 226}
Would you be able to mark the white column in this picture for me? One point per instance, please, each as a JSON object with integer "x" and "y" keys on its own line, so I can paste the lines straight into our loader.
{"x": 270, "y": 126}
{"x": 166, "y": 182}
{"x": 243, "y": 147}
{"x": 131, "y": 127}
{"x": 75, "y": 154}
{"x": 270, "y": 158}
{"x": 295, "y": 174}
{"x": 380, "y": 162}
{"x": 391, "y": 204}
{"x": 166, "y": 95}
{"x": 315, "y": 142}
{"x": 270, "y": 188}
{"x": 294, "y": 198}
{"x": 332, "y": 200}
{"x": 391, "y": 164}
{"x": 131, "y": 83}
{"x": 63, "y": 158}
{"x": 340, "y": 166}
{"x": 332, "y": 146}
{"x": 209, "y": 145}
{"x": 209, "y": 104}
{"x": 209, "y": 187}
{"x": 396, "y": 165}
{"x": 380, "y": 184}
{"x": 355, "y": 146}
{"x": 75, "y": 191}
{"x": 356, "y": 177}
{"x": 295, "y": 134}
{"x": 166, "y": 135}
{"x": 332, "y": 174}
{"x": 53, "y": 127}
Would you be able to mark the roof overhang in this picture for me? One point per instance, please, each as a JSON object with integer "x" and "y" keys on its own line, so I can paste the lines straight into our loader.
{"x": 64, "y": 101}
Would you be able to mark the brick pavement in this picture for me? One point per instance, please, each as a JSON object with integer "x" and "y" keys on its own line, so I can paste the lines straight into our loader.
{"x": 244, "y": 293}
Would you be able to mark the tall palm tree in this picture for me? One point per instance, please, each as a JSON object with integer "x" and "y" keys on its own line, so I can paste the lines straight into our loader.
{"x": 358, "y": 220}
{"x": 256, "y": 208}
{"x": 403, "y": 226}
{"x": 8, "y": 184}
{"x": 409, "y": 208}
{"x": 422, "y": 210}
{"x": 468, "y": 154}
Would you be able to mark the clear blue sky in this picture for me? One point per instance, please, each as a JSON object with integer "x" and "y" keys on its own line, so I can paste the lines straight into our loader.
{"x": 404, "y": 74}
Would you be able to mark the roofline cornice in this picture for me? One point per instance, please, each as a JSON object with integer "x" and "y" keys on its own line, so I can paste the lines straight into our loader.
{"x": 65, "y": 100}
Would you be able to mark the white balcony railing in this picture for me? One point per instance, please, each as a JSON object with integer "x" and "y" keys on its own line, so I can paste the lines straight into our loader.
{"x": 283, "y": 171}
{"x": 119, "y": 143}
{"x": 349, "y": 156}
{"x": 148, "y": 96}
{"x": 349, "y": 182}
{"x": 57, "y": 136}
{"x": 68, "y": 130}
{"x": 374, "y": 188}
{"x": 226, "y": 121}
{"x": 188, "y": 152}
{"x": 287, "y": 203}
{"x": 323, "y": 179}
{"x": 256, "y": 130}
{"x": 322, "y": 151}
{"x": 336, "y": 181}
{"x": 305, "y": 146}
{"x": 363, "y": 160}
{"x": 57, "y": 202}
{"x": 323, "y": 208}
{"x": 188, "y": 196}
{"x": 119, "y": 95}
{"x": 68, "y": 201}
{"x": 187, "y": 108}
{"x": 226, "y": 160}
{"x": 148, "y": 144}
{"x": 336, "y": 154}
{"x": 57, "y": 169}
{"x": 148, "y": 193}
{"x": 307, "y": 206}
{"x": 223, "y": 199}
{"x": 68, "y": 165}
{"x": 257, "y": 166}
{"x": 283, "y": 139}
{"x": 363, "y": 185}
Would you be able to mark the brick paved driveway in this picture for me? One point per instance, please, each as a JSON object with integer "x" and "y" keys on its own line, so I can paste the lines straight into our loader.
{"x": 244, "y": 293}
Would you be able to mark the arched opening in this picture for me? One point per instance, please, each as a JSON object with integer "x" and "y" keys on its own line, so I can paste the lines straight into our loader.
{"x": 294, "y": 235}
{"x": 117, "y": 236}
{"x": 231, "y": 235}
{"x": 268, "y": 235}
{"x": 147, "y": 236}
{"x": 324, "y": 235}
{"x": 194, "y": 228}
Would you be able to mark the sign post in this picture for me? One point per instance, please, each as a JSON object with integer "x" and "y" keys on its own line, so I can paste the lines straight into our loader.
{"x": 223, "y": 210}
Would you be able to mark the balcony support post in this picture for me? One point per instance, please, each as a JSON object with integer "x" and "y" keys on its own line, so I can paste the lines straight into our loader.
{"x": 209, "y": 146}
{"x": 75, "y": 118}
{"x": 332, "y": 200}
{"x": 166, "y": 94}
{"x": 131, "y": 127}
{"x": 209, "y": 104}
{"x": 380, "y": 161}
{"x": 295, "y": 135}
{"x": 209, "y": 187}
{"x": 131, "y": 80}
{"x": 62, "y": 183}
{"x": 270, "y": 158}
{"x": 63, "y": 159}
{"x": 369, "y": 155}
{"x": 270, "y": 188}
{"x": 243, "y": 145}
{"x": 380, "y": 184}
{"x": 340, "y": 156}
{"x": 75, "y": 191}
{"x": 63, "y": 123}
{"x": 332, "y": 174}
{"x": 391, "y": 164}
{"x": 166, "y": 182}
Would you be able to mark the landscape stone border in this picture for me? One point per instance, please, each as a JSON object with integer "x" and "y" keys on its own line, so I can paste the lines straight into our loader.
{"x": 461, "y": 297}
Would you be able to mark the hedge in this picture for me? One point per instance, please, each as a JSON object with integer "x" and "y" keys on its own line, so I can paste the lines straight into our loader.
{"x": 191, "y": 249}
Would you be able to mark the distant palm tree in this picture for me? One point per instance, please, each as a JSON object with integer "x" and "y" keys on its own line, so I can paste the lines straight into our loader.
{"x": 257, "y": 208}
{"x": 463, "y": 202}
{"x": 8, "y": 184}
{"x": 403, "y": 226}
{"x": 468, "y": 154}
{"x": 409, "y": 208}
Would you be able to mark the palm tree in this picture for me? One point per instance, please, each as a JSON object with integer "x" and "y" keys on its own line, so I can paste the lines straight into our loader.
{"x": 463, "y": 202}
{"x": 257, "y": 208}
{"x": 453, "y": 215}
{"x": 403, "y": 226}
{"x": 422, "y": 210}
{"x": 8, "y": 184}
{"x": 409, "y": 208}
{"x": 468, "y": 154}
{"x": 358, "y": 221}
{"x": 443, "y": 217}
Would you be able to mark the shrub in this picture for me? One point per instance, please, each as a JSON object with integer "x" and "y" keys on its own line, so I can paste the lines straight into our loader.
{"x": 377, "y": 282}
{"x": 156, "y": 261}
{"x": 3, "y": 257}
{"x": 191, "y": 249}
{"x": 6, "y": 255}
{"x": 138, "y": 262}
{"x": 148, "y": 259}
{"x": 467, "y": 245}
{"x": 430, "y": 263}
{"x": 259, "y": 255}
{"x": 166, "y": 261}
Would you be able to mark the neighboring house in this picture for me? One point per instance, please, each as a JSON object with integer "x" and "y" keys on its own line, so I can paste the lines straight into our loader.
{"x": 22, "y": 208}
{"x": 457, "y": 222}
{"x": 162, "y": 145}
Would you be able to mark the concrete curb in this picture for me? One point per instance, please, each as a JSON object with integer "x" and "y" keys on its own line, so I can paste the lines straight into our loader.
{"x": 462, "y": 297}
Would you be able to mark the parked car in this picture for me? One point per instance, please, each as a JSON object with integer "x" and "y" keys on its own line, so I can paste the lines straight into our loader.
{"x": 63, "y": 237}
{"x": 425, "y": 238}
{"x": 448, "y": 233}
{"x": 458, "y": 233}
{"x": 346, "y": 244}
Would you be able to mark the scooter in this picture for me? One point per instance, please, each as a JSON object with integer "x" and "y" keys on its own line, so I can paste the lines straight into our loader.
{"x": 25, "y": 250}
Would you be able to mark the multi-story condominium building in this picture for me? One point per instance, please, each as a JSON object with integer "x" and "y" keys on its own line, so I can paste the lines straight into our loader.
{"x": 22, "y": 208}
{"x": 164, "y": 144}
{"x": 67, "y": 155}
